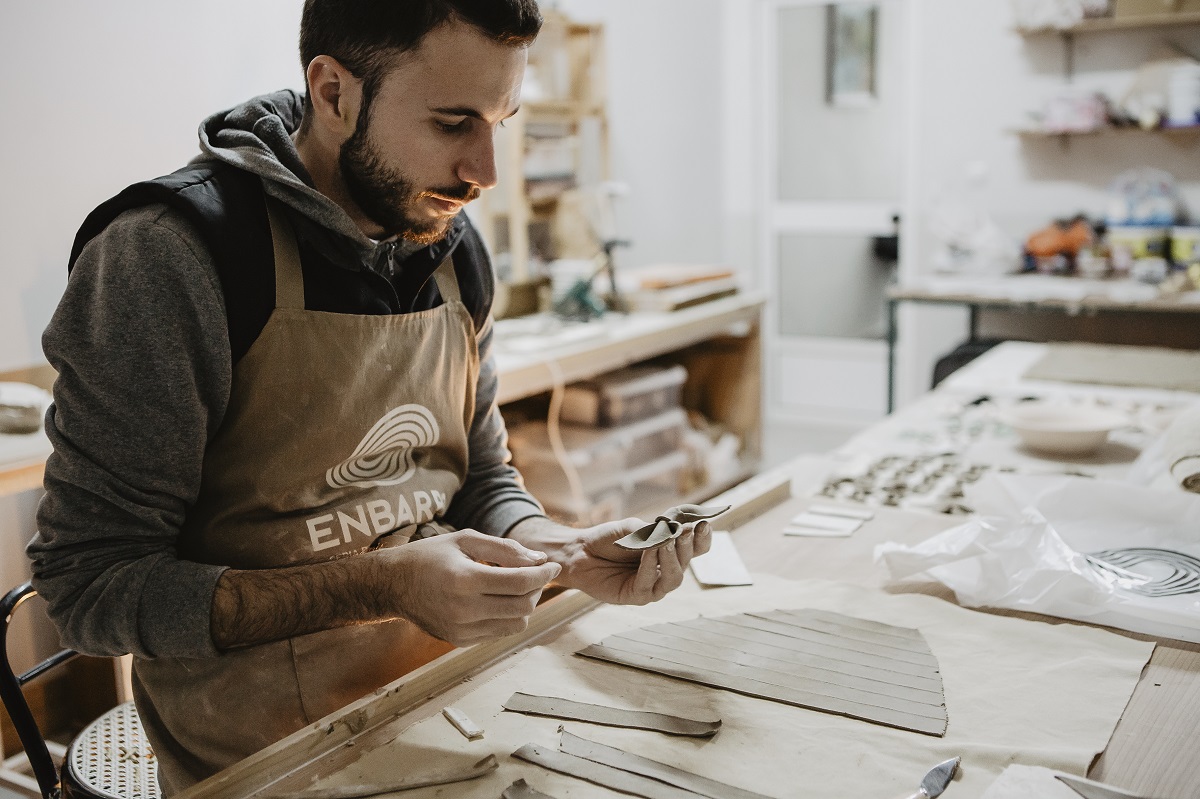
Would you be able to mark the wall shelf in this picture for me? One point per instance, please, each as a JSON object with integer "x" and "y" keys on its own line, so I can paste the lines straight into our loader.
{"x": 1103, "y": 24}
{"x": 1187, "y": 133}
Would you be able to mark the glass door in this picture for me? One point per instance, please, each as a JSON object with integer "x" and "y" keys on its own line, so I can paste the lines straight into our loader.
{"x": 833, "y": 86}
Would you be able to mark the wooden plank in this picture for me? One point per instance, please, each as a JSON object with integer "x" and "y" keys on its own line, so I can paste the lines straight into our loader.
{"x": 40, "y": 375}
{"x": 23, "y": 477}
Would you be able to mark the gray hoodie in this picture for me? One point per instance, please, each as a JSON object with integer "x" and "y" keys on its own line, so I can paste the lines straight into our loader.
{"x": 141, "y": 345}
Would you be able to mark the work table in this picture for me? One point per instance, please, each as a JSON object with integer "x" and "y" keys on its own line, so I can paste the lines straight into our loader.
{"x": 1151, "y": 750}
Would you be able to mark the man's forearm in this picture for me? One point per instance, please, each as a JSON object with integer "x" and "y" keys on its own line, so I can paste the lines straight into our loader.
{"x": 256, "y": 606}
{"x": 541, "y": 534}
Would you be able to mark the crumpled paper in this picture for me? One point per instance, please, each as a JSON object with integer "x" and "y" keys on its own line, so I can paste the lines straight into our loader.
{"x": 1026, "y": 550}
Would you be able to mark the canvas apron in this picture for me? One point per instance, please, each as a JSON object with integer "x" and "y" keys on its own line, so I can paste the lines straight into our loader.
{"x": 344, "y": 433}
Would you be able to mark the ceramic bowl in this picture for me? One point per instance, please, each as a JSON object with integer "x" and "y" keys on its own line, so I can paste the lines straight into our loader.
{"x": 1063, "y": 429}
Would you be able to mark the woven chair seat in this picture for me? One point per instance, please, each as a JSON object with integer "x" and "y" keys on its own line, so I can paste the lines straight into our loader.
{"x": 112, "y": 758}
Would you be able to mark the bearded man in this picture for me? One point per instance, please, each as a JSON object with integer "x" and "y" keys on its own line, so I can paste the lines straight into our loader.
{"x": 280, "y": 477}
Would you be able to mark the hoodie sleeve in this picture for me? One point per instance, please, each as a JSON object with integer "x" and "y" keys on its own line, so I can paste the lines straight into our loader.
{"x": 140, "y": 345}
{"x": 493, "y": 497}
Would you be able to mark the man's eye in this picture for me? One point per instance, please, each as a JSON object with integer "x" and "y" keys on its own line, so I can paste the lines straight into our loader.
{"x": 451, "y": 127}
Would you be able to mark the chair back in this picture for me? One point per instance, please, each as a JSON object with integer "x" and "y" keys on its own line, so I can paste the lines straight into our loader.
{"x": 14, "y": 698}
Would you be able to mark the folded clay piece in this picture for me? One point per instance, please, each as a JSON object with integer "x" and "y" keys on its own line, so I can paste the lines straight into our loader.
{"x": 668, "y": 526}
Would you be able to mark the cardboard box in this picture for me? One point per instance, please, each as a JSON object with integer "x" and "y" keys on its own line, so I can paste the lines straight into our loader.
{"x": 1153, "y": 8}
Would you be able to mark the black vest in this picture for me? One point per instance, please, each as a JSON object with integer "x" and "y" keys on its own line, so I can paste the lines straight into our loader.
{"x": 228, "y": 208}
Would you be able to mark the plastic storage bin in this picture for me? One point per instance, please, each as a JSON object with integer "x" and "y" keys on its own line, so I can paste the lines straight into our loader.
{"x": 623, "y": 396}
{"x": 648, "y": 489}
{"x": 598, "y": 455}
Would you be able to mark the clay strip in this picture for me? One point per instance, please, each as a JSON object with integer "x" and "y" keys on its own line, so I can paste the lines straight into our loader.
{"x": 810, "y": 658}
{"x": 831, "y": 651}
{"x": 599, "y": 774}
{"x": 610, "y": 716}
{"x": 485, "y": 766}
{"x": 899, "y": 637}
{"x": 636, "y": 764}
{"x": 931, "y": 722}
{"x": 821, "y": 676}
{"x": 844, "y": 639}
{"x": 925, "y": 706}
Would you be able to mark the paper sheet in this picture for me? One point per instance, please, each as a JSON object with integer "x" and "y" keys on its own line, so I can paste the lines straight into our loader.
{"x": 721, "y": 565}
{"x": 1016, "y": 691}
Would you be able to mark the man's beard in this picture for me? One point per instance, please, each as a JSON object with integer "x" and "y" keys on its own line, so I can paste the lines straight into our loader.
{"x": 385, "y": 195}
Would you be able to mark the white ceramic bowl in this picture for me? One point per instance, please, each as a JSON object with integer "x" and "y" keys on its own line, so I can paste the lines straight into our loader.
{"x": 1062, "y": 429}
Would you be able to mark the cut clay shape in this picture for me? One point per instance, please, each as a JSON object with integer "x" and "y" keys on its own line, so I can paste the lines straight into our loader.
{"x": 668, "y": 526}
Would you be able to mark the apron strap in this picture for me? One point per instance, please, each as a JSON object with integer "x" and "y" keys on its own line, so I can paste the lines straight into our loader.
{"x": 289, "y": 279}
{"x": 447, "y": 281}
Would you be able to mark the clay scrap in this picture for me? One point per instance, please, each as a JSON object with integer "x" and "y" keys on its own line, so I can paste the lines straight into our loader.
{"x": 668, "y": 526}
{"x": 809, "y": 658}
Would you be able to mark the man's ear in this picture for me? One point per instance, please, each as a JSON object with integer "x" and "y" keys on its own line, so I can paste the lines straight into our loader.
{"x": 336, "y": 96}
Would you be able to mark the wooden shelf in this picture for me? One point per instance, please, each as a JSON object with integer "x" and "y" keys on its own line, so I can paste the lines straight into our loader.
{"x": 622, "y": 340}
{"x": 1103, "y": 24}
{"x": 1172, "y": 133}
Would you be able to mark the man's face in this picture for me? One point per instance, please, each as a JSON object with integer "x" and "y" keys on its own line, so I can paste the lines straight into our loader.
{"x": 425, "y": 148}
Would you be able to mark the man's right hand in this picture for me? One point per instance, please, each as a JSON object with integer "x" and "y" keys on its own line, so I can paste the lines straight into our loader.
{"x": 461, "y": 587}
{"x": 467, "y": 587}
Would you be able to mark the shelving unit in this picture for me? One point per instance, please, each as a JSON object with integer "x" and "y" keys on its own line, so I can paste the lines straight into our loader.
{"x": 1102, "y": 25}
{"x": 718, "y": 342}
{"x": 556, "y": 145}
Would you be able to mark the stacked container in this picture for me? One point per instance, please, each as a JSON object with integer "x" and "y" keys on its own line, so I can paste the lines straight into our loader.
{"x": 622, "y": 438}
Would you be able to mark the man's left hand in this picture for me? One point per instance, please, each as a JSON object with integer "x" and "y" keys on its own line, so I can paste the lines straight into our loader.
{"x": 593, "y": 563}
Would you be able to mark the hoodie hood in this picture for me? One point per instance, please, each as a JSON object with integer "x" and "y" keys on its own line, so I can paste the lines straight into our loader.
{"x": 256, "y": 137}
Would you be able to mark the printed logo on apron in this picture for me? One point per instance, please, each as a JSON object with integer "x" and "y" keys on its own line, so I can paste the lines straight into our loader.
{"x": 384, "y": 457}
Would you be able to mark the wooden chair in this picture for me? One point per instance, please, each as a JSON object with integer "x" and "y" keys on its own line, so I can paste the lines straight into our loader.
{"x": 110, "y": 759}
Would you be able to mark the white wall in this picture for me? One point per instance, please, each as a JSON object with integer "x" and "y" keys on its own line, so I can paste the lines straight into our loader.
{"x": 665, "y": 124}
{"x": 99, "y": 95}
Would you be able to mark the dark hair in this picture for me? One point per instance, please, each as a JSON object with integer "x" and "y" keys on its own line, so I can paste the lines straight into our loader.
{"x": 366, "y": 35}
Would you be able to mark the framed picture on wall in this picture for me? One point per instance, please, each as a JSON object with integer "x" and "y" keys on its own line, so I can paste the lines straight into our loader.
{"x": 850, "y": 53}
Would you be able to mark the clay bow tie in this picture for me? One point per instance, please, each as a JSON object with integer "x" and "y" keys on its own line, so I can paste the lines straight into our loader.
{"x": 668, "y": 526}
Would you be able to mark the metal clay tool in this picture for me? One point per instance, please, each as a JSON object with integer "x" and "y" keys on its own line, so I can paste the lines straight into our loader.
{"x": 1095, "y": 790}
{"x": 936, "y": 780}
{"x": 668, "y": 526}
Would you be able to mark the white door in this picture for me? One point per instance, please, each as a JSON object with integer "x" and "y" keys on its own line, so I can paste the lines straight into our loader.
{"x": 832, "y": 80}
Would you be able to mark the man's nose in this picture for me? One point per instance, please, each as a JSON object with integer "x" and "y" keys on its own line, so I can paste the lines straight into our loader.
{"x": 478, "y": 165}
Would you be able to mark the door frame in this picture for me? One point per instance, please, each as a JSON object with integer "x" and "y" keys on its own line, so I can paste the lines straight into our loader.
{"x": 776, "y": 218}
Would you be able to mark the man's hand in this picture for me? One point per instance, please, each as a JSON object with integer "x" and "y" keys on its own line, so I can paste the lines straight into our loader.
{"x": 593, "y": 563}
{"x": 462, "y": 587}
{"x": 467, "y": 587}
